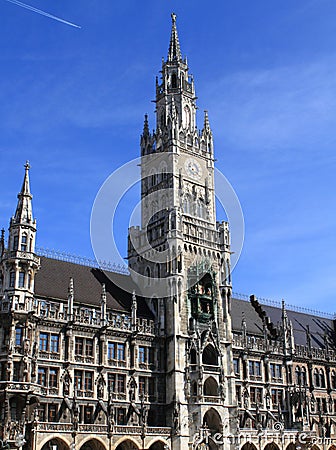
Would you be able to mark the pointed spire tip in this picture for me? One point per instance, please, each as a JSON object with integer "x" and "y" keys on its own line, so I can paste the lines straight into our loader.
{"x": 174, "y": 53}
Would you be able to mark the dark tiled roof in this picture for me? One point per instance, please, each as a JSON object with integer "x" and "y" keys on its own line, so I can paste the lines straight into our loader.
{"x": 244, "y": 308}
{"x": 52, "y": 281}
{"x": 318, "y": 326}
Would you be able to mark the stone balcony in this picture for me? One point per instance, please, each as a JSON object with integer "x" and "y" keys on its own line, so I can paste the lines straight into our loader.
{"x": 101, "y": 429}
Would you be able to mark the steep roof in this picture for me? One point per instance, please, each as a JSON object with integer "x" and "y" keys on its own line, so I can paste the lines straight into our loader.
{"x": 318, "y": 326}
{"x": 52, "y": 281}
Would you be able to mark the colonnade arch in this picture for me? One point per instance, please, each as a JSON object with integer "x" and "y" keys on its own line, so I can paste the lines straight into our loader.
{"x": 271, "y": 446}
{"x": 55, "y": 443}
{"x": 92, "y": 444}
{"x": 249, "y": 446}
{"x": 127, "y": 444}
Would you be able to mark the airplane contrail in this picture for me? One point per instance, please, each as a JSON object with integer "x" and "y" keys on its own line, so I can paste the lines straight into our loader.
{"x": 43, "y": 13}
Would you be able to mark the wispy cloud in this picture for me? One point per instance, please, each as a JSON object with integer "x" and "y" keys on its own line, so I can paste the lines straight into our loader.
{"x": 277, "y": 107}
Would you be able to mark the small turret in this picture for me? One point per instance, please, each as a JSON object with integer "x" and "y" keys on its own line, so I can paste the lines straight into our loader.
{"x": 71, "y": 295}
{"x": 20, "y": 263}
{"x": 145, "y": 133}
{"x": 24, "y": 212}
{"x": 206, "y": 134}
{"x": 103, "y": 309}
{"x": 206, "y": 126}
{"x": 134, "y": 310}
{"x": 2, "y": 243}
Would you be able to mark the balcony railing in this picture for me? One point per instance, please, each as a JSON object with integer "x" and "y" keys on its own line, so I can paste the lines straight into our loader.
{"x": 52, "y": 426}
{"x": 97, "y": 428}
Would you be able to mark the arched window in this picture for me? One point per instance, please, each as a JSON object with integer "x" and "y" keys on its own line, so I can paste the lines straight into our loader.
{"x": 15, "y": 243}
{"x": 18, "y": 335}
{"x": 297, "y": 375}
{"x": 174, "y": 81}
{"x": 187, "y": 204}
{"x": 209, "y": 356}
{"x": 194, "y": 388}
{"x": 201, "y": 209}
{"x": 24, "y": 241}
{"x": 316, "y": 378}
{"x": 303, "y": 376}
{"x": 322, "y": 378}
{"x": 193, "y": 356}
{"x": 12, "y": 279}
{"x": 210, "y": 387}
{"x": 22, "y": 279}
{"x": 333, "y": 380}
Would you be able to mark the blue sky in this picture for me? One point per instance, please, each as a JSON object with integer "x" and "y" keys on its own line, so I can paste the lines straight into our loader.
{"x": 72, "y": 102}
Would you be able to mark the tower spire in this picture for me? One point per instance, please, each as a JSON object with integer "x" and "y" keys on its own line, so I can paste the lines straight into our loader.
{"x": 24, "y": 212}
{"x": 174, "y": 53}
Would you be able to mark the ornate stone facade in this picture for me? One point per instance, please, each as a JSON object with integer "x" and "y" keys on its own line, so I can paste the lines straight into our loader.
{"x": 180, "y": 363}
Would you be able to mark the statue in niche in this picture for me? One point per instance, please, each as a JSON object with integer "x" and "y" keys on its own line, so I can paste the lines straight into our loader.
{"x": 100, "y": 387}
{"x": 110, "y": 410}
{"x": 131, "y": 389}
{"x": 66, "y": 384}
{"x": 176, "y": 419}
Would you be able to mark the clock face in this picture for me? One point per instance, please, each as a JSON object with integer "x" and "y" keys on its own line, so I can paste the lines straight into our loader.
{"x": 193, "y": 168}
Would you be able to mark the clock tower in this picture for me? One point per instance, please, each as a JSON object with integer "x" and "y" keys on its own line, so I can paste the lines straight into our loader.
{"x": 180, "y": 258}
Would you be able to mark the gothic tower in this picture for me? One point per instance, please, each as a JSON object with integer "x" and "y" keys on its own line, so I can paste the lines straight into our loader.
{"x": 180, "y": 256}
{"x": 18, "y": 266}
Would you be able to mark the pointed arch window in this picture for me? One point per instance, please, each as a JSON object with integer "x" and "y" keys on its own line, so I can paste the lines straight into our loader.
{"x": 316, "y": 378}
{"x": 333, "y": 381}
{"x": 187, "y": 205}
{"x": 193, "y": 356}
{"x": 18, "y": 335}
{"x": 24, "y": 241}
{"x": 210, "y": 387}
{"x": 174, "y": 80}
{"x": 210, "y": 356}
{"x": 303, "y": 376}
{"x": 322, "y": 378}
{"x": 15, "y": 243}
{"x": 12, "y": 279}
{"x": 22, "y": 279}
{"x": 200, "y": 209}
